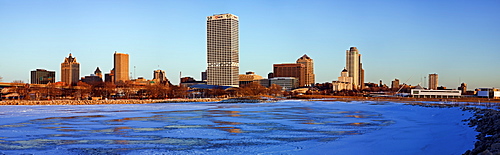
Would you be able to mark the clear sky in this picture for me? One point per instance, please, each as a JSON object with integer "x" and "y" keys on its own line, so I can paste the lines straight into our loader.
{"x": 457, "y": 39}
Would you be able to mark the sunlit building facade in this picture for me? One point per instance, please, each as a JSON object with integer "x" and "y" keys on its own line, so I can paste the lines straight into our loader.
{"x": 121, "y": 64}
{"x": 70, "y": 70}
{"x": 344, "y": 82}
{"x": 160, "y": 76}
{"x": 355, "y": 67}
{"x": 222, "y": 50}
{"x": 295, "y": 70}
{"x": 309, "y": 78}
{"x": 433, "y": 81}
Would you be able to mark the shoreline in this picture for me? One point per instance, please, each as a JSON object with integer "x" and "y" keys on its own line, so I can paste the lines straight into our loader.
{"x": 97, "y": 102}
{"x": 414, "y": 101}
{"x": 487, "y": 123}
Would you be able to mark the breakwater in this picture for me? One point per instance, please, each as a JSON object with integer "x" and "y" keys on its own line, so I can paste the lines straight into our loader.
{"x": 91, "y": 102}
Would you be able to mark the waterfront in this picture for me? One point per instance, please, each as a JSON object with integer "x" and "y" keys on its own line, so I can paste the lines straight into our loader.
{"x": 283, "y": 127}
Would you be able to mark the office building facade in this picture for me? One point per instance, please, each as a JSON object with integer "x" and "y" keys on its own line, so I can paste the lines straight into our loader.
{"x": 355, "y": 67}
{"x": 286, "y": 83}
{"x": 42, "y": 76}
{"x": 70, "y": 70}
{"x": 121, "y": 64}
{"x": 433, "y": 81}
{"x": 295, "y": 70}
{"x": 395, "y": 84}
{"x": 160, "y": 76}
{"x": 309, "y": 69}
{"x": 222, "y": 50}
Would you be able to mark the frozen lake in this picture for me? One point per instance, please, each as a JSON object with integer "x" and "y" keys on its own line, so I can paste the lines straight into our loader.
{"x": 285, "y": 127}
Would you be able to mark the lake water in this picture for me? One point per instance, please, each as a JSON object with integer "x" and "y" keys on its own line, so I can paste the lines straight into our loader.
{"x": 285, "y": 127}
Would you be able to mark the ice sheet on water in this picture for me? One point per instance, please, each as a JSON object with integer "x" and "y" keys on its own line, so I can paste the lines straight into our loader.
{"x": 297, "y": 127}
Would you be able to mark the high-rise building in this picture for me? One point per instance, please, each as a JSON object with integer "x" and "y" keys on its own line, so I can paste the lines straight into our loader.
{"x": 121, "y": 67}
{"x": 309, "y": 69}
{"x": 291, "y": 70}
{"x": 159, "y": 75}
{"x": 42, "y": 76}
{"x": 222, "y": 50}
{"x": 70, "y": 70}
{"x": 433, "y": 81}
{"x": 354, "y": 67}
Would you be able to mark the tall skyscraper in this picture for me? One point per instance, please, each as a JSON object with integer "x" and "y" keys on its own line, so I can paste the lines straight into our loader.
{"x": 354, "y": 67}
{"x": 70, "y": 70}
{"x": 309, "y": 69}
{"x": 295, "y": 70}
{"x": 42, "y": 76}
{"x": 121, "y": 67}
{"x": 222, "y": 50}
{"x": 433, "y": 81}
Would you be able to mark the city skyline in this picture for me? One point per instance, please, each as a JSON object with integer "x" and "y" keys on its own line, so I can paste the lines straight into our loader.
{"x": 403, "y": 40}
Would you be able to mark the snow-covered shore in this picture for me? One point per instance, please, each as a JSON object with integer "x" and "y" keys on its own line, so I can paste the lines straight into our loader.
{"x": 487, "y": 123}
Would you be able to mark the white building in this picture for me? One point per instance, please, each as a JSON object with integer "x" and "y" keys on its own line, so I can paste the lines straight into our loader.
{"x": 488, "y": 93}
{"x": 422, "y": 93}
{"x": 344, "y": 82}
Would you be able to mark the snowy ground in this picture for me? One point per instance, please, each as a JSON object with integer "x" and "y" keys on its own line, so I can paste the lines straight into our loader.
{"x": 286, "y": 127}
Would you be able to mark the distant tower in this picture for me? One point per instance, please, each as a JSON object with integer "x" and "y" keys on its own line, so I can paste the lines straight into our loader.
{"x": 395, "y": 84}
{"x": 463, "y": 88}
{"x": 98, "y": 72}
{"x": 70, "y": 70}
{"x": 121, "y": 64}
{"x": 159, "y": 75}
{"x": 433, "y": 81}
{"x": 222, "y": 50}
{"x": 309, "y": 69}
{"x": 354, "y": 67}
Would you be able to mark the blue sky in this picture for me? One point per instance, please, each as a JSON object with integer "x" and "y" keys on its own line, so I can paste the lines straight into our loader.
{"x": 459, "y": 40}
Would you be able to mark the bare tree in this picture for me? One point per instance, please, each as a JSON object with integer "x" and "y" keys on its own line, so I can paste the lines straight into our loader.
{"x": 275, "y": 90}
{"x": 178, "y": 92}
{"x": 84, "y": 89}
{"x": 156, "y": 91}
{"x": 109, "y": 88}
{"x": 21, "y": 88}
